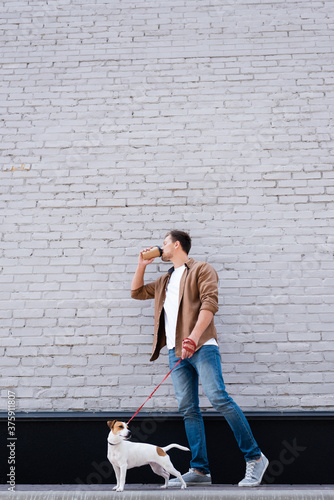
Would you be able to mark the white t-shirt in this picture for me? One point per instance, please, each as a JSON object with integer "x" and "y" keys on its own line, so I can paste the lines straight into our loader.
{"x": 171, "y": 307}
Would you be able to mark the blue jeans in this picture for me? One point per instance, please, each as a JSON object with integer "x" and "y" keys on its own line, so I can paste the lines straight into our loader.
{"x": 206, "y": 365}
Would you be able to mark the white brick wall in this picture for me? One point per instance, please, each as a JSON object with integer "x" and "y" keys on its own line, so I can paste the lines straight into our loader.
{"x": 123, "y": 120}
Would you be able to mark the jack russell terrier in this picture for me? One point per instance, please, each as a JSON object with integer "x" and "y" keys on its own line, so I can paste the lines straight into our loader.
{"x": 123, "y": 455}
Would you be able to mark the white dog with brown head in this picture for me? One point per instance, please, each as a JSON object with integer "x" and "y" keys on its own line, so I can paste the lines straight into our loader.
{"x": 123, "y": 455}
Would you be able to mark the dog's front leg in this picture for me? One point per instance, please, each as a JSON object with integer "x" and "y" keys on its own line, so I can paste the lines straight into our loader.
{"x": 117, "y": 474}
{"x": 122, "y": 476}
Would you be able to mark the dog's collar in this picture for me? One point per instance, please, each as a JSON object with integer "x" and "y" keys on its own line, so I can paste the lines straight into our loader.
{"x": 113, "y": 444}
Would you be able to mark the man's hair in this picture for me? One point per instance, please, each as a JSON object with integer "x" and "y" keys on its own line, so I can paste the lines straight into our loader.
{"x": 182, "y": 237}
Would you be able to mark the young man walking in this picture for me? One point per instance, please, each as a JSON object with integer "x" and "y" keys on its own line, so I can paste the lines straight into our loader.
{"x": 186, "y": 299}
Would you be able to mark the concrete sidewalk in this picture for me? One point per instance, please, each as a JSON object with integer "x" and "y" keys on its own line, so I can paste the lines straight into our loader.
{"x": 143, "y": 492}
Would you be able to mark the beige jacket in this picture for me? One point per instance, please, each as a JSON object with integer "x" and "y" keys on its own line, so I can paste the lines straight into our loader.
{"x": 198, "y": 290}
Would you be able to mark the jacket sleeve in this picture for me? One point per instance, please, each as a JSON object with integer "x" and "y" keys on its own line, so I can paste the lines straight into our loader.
{"x": 144, "y": 292}
{"x": 208, "y": 288}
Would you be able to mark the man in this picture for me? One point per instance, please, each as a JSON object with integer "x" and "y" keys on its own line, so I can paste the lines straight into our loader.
{"x": 186, "y": 299}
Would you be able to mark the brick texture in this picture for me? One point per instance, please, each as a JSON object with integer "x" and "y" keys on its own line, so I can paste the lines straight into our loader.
{"x": 122, "y": 120}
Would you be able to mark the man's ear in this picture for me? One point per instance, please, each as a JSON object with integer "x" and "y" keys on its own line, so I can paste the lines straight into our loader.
{"x": 111, "y": 424}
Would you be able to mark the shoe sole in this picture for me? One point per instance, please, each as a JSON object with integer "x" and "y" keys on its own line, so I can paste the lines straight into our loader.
{"x": 258, "y": 482}
{"x": 189, "y": 484}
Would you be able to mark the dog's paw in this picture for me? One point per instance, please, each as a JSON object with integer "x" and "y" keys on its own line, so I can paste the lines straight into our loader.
{"x": 163, "y": 487}
{"x": 115, "y": 487}
{"x": 183, "y": 487}
{"x": 119, "y": 488}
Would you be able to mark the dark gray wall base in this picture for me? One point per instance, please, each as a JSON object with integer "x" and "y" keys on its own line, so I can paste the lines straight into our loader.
{"x": 70, "y": 448}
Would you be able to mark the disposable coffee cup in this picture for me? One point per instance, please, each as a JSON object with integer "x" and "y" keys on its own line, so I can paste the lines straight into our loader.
{"x": 151, "y": 253}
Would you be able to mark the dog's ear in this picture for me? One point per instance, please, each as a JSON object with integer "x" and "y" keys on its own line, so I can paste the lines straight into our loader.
{"x": 111, "y": 424}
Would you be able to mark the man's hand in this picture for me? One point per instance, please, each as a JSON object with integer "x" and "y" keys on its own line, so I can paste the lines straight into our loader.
{"x": 138, "y": 278}
{"x": 203, "y": 321}
{"x": 142, "y": 261}
{"x": 188, "y": 348}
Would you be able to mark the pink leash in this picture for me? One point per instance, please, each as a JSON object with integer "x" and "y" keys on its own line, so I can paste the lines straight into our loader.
{"x": 133, "y": 416}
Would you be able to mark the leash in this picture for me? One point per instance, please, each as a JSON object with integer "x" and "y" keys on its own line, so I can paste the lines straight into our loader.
{"x": 133, "y": 416}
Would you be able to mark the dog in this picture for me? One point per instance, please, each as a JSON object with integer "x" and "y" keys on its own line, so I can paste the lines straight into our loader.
{"x": 123, "y": 455}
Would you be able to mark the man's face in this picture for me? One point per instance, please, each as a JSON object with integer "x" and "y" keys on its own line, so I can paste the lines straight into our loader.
{"x": 168, "y": 248}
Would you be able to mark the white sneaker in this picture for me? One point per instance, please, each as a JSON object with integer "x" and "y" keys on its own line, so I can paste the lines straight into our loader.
{"x": 192, "y": 479}
{"x": 254, "y": 472}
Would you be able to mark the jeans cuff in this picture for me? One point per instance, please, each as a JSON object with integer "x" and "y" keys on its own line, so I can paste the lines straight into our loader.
{"x": 200, "y": 469}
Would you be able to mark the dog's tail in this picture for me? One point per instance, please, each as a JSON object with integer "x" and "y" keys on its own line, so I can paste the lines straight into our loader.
{"x": 174, "y": 445}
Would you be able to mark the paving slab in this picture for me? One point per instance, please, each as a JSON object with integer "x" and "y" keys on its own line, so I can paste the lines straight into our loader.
{"x": 150, "y": 492}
